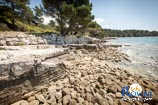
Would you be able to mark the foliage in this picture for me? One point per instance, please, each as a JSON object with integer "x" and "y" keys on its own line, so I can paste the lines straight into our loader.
{"x": 2, "y": 48}
{"x": 17, "y": 15}
{"x": 94, "y": 24}
{"x": 38, "y": 14}
{"x": 20, "y": 44}
{"x": 129, "y": 33}
{"x": 32, "y": 28}
{"x": 71, "y": 15}
{"x": 52, "y": 23}
{"x": 11, "y": 10}
{"x": 28, "y": 15}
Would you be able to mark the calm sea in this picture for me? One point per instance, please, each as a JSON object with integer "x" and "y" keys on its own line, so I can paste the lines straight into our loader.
{"x": 143, "y": 52}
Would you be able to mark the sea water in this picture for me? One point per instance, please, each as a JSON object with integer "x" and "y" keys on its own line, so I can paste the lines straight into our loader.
{"x": 143, "y": 52}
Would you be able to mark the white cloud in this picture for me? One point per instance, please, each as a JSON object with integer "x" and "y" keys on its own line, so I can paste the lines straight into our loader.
{"x": 99, "y": 20}
{"x": 47, "y": 19}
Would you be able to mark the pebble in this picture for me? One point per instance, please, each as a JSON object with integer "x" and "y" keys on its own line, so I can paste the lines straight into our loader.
{"x": 118, "y": 95}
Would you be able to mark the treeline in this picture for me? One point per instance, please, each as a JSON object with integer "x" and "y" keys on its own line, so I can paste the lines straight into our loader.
{"x": 70, "y": 16}
{"x": 128, "y": 33}
{"x": 17, "y": 15}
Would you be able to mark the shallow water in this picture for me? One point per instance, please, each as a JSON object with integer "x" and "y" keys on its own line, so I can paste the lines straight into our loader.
{"x": 143, "y": 52}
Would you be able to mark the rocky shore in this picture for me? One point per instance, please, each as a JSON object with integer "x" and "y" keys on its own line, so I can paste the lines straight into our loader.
{"x": 21, "y": 38}
{"x": 54, "y": 70}
{"x": 92, "y": 78}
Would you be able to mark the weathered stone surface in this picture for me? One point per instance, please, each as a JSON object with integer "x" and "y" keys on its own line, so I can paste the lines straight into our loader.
{"x": 34, "y": 102}
{"x": 2, "y": 42}
{"x": 19, "y": 38}
{"x": 22, "y": 102}
{"x": 28, "y": 95}
{"x": 121, "y": 102}
{"x": 66, "y": 91}
{"x": 91, "y": 79}
{"x": 118, "y": 95}
{"x": 58, "y": 95}
{"x": 32, "y": 98}
{"x": 80, "y": 100}
{"x": 66, "y": 99}
{"x": 73, "y": 102}
{"x": 40, "y": 98}
{"x": 100, "y": 100}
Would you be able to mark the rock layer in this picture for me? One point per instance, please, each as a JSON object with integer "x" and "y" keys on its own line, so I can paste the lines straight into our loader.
{"x": 20, "y": 38}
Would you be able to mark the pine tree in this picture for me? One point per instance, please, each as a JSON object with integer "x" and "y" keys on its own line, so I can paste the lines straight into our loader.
{"x": 38, "y": 14}
{"x": 12, "y": 10}
{"x": 70, "y": 15}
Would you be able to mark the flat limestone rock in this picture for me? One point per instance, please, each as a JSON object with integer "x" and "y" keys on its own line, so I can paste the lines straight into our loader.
{"x": 28, "y": 53}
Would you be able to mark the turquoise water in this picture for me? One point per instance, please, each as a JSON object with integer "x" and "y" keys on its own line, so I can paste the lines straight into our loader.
{"x": 143, "y": 52}
{"x": 136, "y": 40}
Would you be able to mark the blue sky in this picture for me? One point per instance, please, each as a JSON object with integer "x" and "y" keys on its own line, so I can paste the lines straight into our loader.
{"x": 33, "y": 3}
{"x": 124, "y": 14}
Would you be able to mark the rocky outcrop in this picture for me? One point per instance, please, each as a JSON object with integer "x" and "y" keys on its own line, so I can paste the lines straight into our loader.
{"x": 91, "y": 79}
{"x": 22, "y": 78}
{"x": 29, "y": 53}
{"x": 20, "y": 74}
{"x": 91, "y": 46}
{"x": 19, "y": 39}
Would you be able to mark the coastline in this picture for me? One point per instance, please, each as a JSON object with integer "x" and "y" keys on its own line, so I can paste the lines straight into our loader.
{"x": 143, "y": 55}
{"x": 81, "y": 72}
{"x": 92, "y": 78}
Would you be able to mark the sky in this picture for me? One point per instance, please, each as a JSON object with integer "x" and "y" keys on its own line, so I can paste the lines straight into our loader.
{"x": 123, "y": 14}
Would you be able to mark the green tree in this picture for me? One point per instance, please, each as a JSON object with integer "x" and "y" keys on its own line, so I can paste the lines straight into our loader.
{"x": 70, "y": 15}
{"x": 11, "y": 10}
{"x": 38, "y": 14}
{"x": 28, "y": 15}
{"x": 52, "y": 23}
{"x": 94, "y": 24}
